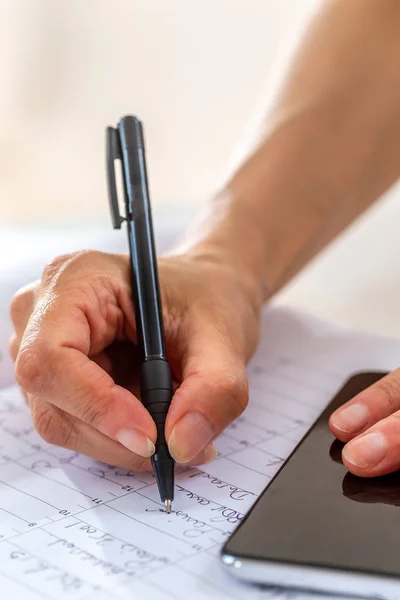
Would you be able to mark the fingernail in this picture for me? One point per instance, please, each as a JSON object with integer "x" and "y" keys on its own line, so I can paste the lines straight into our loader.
{"x": 351, "y": 418}
{"x": 136, "y": 442}
{"x": 190, "y": 436}
{"x": 366, "y": 451}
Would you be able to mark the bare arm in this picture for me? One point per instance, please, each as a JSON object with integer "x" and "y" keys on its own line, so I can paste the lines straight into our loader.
{"x": 330, "y": 146}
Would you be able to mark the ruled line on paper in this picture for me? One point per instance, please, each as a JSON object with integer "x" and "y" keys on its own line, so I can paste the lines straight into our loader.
{"x": 71, "y": 527}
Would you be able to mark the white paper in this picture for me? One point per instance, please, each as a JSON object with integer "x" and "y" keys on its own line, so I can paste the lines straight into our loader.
{"x": 74, "y": 528}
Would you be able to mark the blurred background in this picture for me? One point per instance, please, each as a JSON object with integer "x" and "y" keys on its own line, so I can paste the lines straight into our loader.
{"x": 196, "y": 73}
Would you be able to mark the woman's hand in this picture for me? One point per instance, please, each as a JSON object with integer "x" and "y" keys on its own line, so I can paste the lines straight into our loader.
{"x": 370, "y": 426}
{"x": 76, "y": 360}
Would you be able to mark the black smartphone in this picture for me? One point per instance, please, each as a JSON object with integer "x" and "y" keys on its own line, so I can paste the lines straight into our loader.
{"x": 318, "y": 527}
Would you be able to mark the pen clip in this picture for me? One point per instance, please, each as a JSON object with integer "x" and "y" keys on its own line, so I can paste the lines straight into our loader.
{"x": 113, "y": 154}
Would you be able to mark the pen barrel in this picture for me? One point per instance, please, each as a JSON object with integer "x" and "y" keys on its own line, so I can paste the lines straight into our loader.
{"x": 133, "y": 145}
{"x": 155, "y": 377}
{"x": 156, "y": 395}
{"x": 146, "y": 287}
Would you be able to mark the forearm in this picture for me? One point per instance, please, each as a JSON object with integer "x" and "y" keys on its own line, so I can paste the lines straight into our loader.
{"x": 330, "y": 147}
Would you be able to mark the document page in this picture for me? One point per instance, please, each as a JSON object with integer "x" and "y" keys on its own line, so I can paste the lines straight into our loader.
{"x": 71, "y": 527}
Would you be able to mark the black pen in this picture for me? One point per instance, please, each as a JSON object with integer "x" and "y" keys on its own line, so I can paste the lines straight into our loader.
{"x": 126, "y": 143}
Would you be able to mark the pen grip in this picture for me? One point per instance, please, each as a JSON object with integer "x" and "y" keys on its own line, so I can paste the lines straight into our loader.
{"x": 156, "y": 395}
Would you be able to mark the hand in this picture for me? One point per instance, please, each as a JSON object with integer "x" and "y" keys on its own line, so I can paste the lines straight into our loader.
{"x": 370, "y": 424}
{"x": 76, "y": 360}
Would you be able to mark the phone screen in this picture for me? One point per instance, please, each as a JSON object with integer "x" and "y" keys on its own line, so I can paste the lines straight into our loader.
{"x": 315, "y": 513}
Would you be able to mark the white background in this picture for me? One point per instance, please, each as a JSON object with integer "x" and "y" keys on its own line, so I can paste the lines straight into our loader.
{"x": 193, "y": 71}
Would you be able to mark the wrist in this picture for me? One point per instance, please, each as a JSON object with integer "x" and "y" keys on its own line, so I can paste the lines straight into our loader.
{"x": 229, "y": 241}
{"x": 215, "y": 254}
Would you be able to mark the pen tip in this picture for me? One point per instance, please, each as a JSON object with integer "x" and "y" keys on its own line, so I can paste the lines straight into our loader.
{"x": 167, "y": 505}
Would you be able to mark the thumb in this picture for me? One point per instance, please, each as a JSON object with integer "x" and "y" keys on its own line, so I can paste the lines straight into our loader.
{"x": 214, "y": 392}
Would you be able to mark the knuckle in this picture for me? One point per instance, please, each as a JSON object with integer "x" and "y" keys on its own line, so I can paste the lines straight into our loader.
{"x": 30, "y": 368}
{"x": 54, "y": 266}
{"x": 50, "y": 425}
{"x": 95, "y": 413}
{"x": 390, "y": 388}
{"x": 15, "y": 307}
{"x": 13, "y": 347}
{"x": 84, "y": 257}
{"x": 20, "y": 304}
{"x": 70, "y": 265}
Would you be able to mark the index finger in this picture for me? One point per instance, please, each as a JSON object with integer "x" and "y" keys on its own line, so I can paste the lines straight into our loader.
{"x": 52, "y": 364}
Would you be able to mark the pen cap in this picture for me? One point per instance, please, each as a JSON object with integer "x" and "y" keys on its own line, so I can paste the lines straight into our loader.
{"x": 132, "y": 151}
{"x": 133, "y": 126}
{"x": 127, "y": 138}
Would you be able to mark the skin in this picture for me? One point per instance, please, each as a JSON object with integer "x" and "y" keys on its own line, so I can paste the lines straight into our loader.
{"x": 74, "y": 360}
{"x": 327, "y": 149}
